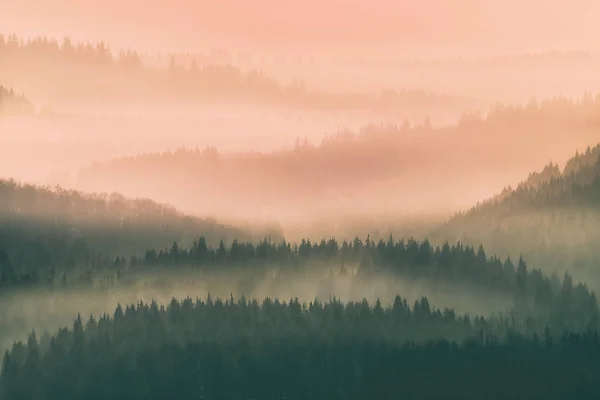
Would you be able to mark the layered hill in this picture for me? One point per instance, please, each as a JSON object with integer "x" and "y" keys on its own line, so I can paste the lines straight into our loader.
{"x": 381, "y": 167}
{"x": 552, "y": 218}
{"x": 99, "y": 76}
{"x": 44, "y": 230}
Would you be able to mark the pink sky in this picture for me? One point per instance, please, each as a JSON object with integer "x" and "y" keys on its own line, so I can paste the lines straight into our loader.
{"x": 196, "y": 24}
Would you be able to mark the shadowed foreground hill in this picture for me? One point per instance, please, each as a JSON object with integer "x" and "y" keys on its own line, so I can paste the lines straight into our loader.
{"x": 242, "y": 349}
{"x": 552, "y": 218}
{"x": 43, "y": 228}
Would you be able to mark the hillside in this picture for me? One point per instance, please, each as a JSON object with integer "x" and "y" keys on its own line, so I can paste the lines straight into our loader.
{"x": 383, "y": 167}
{"x": 236, "y": 349}
{"x": 45, "y": 230}
{"x": 552, "y": 218}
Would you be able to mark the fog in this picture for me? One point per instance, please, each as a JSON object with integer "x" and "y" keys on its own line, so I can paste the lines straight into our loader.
{"x": 382, "y": 170}
{"x": 159, "y": 151}
{"x": 418, "y": 126}
{"x": 373, "y": 171}
{"x": 48, "y": 310}
{"x": 46, "y": 149}
{"x": 323, "y": 129}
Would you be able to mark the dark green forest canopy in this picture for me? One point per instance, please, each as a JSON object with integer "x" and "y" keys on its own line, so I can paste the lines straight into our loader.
{"x": 533, "y": 293}
{"x": 552, "y": 218}
{"x": 562, "y": 304}
{"x": 242, "y": 349}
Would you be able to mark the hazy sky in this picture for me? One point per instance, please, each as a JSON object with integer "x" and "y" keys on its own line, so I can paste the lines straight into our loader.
{"x": 195, "y": 24}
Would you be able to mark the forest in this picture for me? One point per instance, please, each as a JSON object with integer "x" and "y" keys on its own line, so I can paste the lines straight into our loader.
{"x": 44, "y": 230}
{"x": 243, "y": 349}
{"x": 480, "y": 304}
{"x": 551, "y": 218}
{"x": 441, "y": 242}
{"x": 13, "y": 104}
{"x": 526, "y": 298}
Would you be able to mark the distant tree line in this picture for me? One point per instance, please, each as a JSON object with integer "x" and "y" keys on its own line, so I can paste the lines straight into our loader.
{"x": 564, "y": 303}
{"x": 350, "y": 165}
{"x": 241, "y": 349}
{"x": 127, "y": 74}
{"x": 14, "y": 104}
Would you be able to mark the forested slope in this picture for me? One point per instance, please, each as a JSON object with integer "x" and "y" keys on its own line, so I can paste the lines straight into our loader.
{"x": 552, "y": 218}
{"x": 44, "y": 230}
{"x": 242, "y": 349}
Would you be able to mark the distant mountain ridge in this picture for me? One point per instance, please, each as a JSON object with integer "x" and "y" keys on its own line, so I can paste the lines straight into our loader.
{"x": 376, "y": 165}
